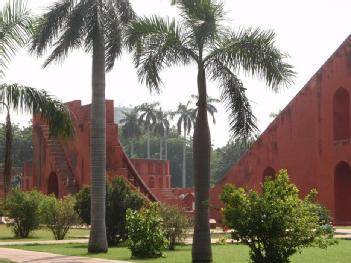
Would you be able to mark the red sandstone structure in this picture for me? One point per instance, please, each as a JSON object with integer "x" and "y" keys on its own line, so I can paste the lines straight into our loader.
{"x": 62, "y": 167}
{"x": 310, "y": 138}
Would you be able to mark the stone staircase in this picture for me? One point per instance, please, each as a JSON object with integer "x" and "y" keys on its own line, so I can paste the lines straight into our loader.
{"x": 166, "y": 195}
{"x": 62, "y": 167}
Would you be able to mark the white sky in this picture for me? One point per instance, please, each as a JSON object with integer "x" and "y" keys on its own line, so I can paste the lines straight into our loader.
{"x": 309, "y": 30}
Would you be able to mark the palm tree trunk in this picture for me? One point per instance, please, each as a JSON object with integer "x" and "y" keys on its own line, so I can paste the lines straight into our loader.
{"x": 132, "y": 149}
{"x": 184, "y": 162}
{"x": 201, "y": 249}
{"x": 166, "y": 147}
{"x": 97, "y": 239}
{"x": 148, "y": 143}
{"x": 8, "y": 155}
{"x": 161, "y": 148}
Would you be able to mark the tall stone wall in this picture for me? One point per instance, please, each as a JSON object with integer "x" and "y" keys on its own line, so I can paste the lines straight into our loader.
{"x": 310, "y": 138}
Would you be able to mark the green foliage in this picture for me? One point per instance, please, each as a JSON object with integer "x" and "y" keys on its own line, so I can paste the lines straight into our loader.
{"x": 223, "y": 158}
{"x": 23, "y": 208}
{"x": 119, "y": 197}
{"x": 59, "y": 215}
{"x": 2, "y": 207}
{"x": 175, "y": 224}
{"x": 22, "y": 144}
{"x": 82, "y": 205}
{"x": 276, "y": 223}
{"x": 29, "y": 100}
{"x": 16, "y": 28}
{"x": 146, "y": 233}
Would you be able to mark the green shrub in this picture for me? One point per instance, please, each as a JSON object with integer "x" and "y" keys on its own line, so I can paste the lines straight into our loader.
{"x": 59, "y": 215}
{"x": 119, "y": 197}
{"x": 82, "y": 205}
{"x": 2, "y": 207}
{"x": 146, "y": 236}
{"x": 175, "y": 224}
{"x": 276, "y": 223}
{"x": 23, "y": 208}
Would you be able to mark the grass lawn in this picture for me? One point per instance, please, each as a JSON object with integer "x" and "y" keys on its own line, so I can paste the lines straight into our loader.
{"x": 6, "y": 234}
{"x": 340, "y": 253}
{"x": 5, "y": 261}
{"x": 343, "y": 227}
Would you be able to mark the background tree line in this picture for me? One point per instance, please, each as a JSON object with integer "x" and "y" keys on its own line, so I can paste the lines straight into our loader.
{"x": 147, "y": 131}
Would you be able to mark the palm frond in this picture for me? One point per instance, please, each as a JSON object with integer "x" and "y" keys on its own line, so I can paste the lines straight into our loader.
{"x": 29, "y": 100}
{"x": 50, "y": 25}
{"x": 211, "y": 109}
{"x": 73, "y": 33}
{"x": 16, "y": 28}
{"x": 255, "y": 53}
{"x": 186, "y": 118}
{"x": 113, "y": 31}
{"x": 157, "y": 43}
{"x": 124, "y": 9}
{"x": 131, "y": 126}
{"x": 147, "y": 114}
{"x": 242, "y": 121}
{"x": 204, "y": 17}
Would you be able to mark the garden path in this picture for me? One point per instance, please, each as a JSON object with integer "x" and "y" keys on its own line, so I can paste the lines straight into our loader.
{"x": 22, "y": 256}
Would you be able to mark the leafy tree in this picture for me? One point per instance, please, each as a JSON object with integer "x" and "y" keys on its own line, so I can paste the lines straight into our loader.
{"x": 175, "y": 224}
{"x": 223, "y": 158}
{"x": 219, "y": 53}
{"x": 120, "y": 197}
{"x": 24, "y": 209}
{"x": 59, "y": 215}
{"x": 185, "y": 123}
{"x": 97, "y": 27}
{"x": 16, "y": 27}
{"x": 28, "y": 100}
{"x": 276, "y": 223}
{"x": 147, "y": 117}
{"x": 146, "y": 234}
{"x": 131, "y": 128}
{"x": 161, "y": 129}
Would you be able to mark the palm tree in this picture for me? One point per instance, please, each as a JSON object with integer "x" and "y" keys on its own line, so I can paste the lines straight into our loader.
{"x": 185, "y": 123}
{"x": 29, "y": 100}
{"x": 219, "y": 54}
{"x": 8, "y": 152}
{"x": 131, "y": 128}
{"x": 96, "y": 26}
{"x": 211, "y": 109}
{"x": 161, "y": 128}
{"x": 15, "y": 30}
{"x": 147, "y": 118}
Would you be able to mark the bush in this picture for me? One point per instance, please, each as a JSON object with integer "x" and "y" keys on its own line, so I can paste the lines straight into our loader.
{"x": 276, "y": 223}
{"x": 82, "y": 205}
{"x": 23, "y": 208}
{"x": 175, "y": 224}
{"x": 59, "y": 215}
{"x": 2, "y": 207}
{"x": 146, "y": 234}
{"x": 119, "y": 197}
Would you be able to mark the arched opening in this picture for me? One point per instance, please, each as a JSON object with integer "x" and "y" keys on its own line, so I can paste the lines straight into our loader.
{"x": 53, "y": 184}
{"x": 269, "y": 171}
{"x": 341, "y": 114}
{"x": 342, "y": 192}
{"x": 152, "y": 182}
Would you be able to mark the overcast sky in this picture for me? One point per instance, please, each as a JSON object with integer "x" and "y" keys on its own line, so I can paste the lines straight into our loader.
{"x": 309, "y": 30}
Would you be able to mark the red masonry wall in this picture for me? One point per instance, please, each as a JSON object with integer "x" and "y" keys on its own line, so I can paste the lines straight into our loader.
{"x": 310, "y": 138}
